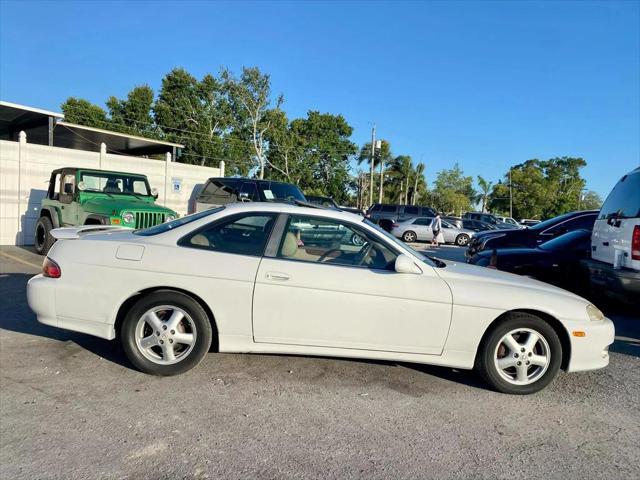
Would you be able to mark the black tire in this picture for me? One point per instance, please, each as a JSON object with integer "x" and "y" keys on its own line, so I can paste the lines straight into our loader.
{"x": 462, "y": 240}
{"x": 43, "y": 239}
{"x": 409, "y": 236}
{"x": 203, "y": 328}
{"x": 486, "y": 366}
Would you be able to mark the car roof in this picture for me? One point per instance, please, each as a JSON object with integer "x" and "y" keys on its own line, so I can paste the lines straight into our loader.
{"x": 245, "y": 179}
{"x": 293, "y": 209}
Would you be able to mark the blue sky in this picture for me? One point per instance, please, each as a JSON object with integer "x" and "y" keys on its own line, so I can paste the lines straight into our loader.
{"x": 484, "y": 84}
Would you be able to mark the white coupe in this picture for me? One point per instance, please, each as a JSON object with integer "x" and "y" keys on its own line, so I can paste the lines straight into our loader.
{"x": 282, "y": 278}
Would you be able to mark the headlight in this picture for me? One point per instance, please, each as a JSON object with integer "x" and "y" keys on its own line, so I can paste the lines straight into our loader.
{"x": 170, "y": 218}
{"x": 595, "y": 315}
{"x": 128, "y": 217}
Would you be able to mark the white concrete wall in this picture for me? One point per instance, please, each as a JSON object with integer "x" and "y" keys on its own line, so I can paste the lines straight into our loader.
{"x": 25, "y": 170}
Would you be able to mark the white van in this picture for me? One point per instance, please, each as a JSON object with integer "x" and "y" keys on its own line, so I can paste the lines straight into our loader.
{"x": 615, "y": 242}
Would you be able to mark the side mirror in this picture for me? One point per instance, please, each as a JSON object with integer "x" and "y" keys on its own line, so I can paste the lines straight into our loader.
{"x": 404, "y": 264}
{"x": 243, "y": 197}
{"x": 154, "y": 193}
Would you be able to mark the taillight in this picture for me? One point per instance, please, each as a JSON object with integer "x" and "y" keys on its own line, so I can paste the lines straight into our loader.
{"x": 493, "y": 263}
{"x": 635, "y": 243}
{"x": 50, "y": 268}
{"x": 395, "y": 225}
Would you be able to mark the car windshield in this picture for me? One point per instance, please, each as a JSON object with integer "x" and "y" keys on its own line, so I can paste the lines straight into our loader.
{"x": 178, "y": 222}
{"x": 281, "y": 191}
{"x": 114, "y": 183}
{"x": 551, "y": 222}
{"x": 566, "y": 241}
{"x": 425, "y": 258}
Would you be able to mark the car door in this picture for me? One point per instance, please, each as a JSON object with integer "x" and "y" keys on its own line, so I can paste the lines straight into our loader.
{"x": 345, "y": 295}
{"x": 422, "y": 227}
{"x": 222, "y": 258}
{"x": 66, "y": 197}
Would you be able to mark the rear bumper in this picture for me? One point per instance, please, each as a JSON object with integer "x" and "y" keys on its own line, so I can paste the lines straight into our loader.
{"x": 621, "y": 281}
{"x": 591, "y": 352}
{"x": 41, "y": 296}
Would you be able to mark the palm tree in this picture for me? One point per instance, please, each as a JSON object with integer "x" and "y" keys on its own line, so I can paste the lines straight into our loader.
{"x": 419, "y": 174}
{"x": 485, "y": 190}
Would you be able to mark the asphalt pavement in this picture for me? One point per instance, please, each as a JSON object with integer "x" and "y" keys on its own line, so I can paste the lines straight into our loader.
{"x": 72, "y": 407}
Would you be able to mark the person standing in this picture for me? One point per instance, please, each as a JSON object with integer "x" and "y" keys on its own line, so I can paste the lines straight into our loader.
{"x": 436, "y": 229}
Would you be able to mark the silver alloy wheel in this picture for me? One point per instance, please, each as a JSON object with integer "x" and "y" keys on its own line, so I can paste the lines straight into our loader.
{"x": 522, "y": 356}
{"x": 409, "y": 237}
{"x": 462, "y": 239}
{"x": 165, "y": 334}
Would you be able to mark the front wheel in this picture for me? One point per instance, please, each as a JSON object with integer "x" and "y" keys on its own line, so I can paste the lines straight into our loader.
{"x": 462, "y": 240}
{"x": 43, "y": 239}
{"x": 166, "y": 333}
{"x": 409, "y": 236}
{"x": 521, "y": 355}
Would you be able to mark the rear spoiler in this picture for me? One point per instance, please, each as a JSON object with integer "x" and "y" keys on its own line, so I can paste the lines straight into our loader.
{"x": 70, "y": 233}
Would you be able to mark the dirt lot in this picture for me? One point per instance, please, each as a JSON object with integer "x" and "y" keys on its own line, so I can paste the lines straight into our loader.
{"x": 71, "y": 407}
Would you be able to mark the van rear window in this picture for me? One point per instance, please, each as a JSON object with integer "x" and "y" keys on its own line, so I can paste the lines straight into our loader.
{"x": 624, "y": 199}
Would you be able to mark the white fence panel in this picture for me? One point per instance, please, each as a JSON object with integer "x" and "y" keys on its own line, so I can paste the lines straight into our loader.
{"x": 25, "y": 170}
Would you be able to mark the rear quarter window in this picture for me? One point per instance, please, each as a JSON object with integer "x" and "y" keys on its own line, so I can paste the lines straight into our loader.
{"x": 388, "y": 208}
{"x": 624, "y": 199}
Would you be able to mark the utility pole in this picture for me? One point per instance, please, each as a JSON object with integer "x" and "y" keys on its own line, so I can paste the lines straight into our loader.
{"x": 381, "y": 174}
{"x": 510, "y": 195}
{"x": 373, "y": 157}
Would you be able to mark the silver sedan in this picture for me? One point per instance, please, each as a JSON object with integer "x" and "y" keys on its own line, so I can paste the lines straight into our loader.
{"x": 419, "y": 229}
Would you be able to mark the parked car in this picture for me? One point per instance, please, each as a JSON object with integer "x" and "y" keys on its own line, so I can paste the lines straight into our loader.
{"x": 535, "y": 235}
{"x": 77, "y": 196}
{"x": 489, "y": 218}
{"x": 330, "y": 203}
{"x": 397, "y": 213}
{"x": 477, "y": 225}
{"x": 557, "y": 261}
{"x": 219, "y": 191}
{"x": 615, "y": 244}
{"x": 528, "y": 222}
{"x": 509, "y": 221}
{"x": 419, "y": 229}
{"x": 455, "y": 221}
{"x": 239, "y": 278}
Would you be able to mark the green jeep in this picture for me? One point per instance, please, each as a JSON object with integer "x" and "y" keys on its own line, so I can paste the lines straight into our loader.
{"x": 79, "y": 196}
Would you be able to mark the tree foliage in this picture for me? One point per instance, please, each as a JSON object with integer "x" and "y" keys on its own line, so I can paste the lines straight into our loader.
{"x": 541, "y": 188}
{"x": 83, "y": 112}
{"x": 453, "y": 192}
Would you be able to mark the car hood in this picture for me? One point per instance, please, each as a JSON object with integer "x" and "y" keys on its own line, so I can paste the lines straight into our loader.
{"x": 514, "y": 252}
{"x": 481, "y": 286}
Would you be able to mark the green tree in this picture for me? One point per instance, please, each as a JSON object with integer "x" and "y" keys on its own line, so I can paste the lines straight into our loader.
{"x": 419, "y": 184}
{"x": 250, "y": 100}
{"x": 134, "y": 115}
{"x": 382, "y": 155}
{"x": 590, "y": 201}
{"x": 541, "y": 188}
{"x": 485, "y": 190}
{"x": 312, "y": 152}
{"x": 83, "y": 112}
{"x": 453, "y": 191}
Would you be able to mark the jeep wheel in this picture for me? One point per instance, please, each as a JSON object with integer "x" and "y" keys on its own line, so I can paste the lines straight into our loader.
{"x": 43, "y": 239}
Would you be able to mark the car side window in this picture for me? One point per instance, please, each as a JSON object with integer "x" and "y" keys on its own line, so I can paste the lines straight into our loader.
{"x": 249, "y": 191}
{"x": 218, "y": 192}
{"x": 388, "y": 208}
{"x": 54, "y": 188}
{"x": 245, "y": 234}
{"x": 327, "y": 241}
{"x": 409, "y": 210}
{"x": 422, "y": 221}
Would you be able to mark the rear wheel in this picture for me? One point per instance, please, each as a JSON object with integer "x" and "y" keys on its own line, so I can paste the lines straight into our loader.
{"x": 166, "y": 333}
{"x": 409, "y": 236}
{"x": 462, "y": 239}
{"x": 43, "y": 239}
{"x": 521, "y": 355}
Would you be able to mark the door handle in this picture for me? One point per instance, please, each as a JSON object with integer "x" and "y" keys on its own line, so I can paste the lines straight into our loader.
{"x": 277, "y": 276}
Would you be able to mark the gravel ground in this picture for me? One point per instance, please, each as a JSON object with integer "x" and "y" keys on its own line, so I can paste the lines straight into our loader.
{"x": 71, "y": 407}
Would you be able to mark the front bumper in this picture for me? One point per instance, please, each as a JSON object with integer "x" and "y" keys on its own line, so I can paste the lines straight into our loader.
{"x": 591, "y": 352}
{"x": 605, "y": 278}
